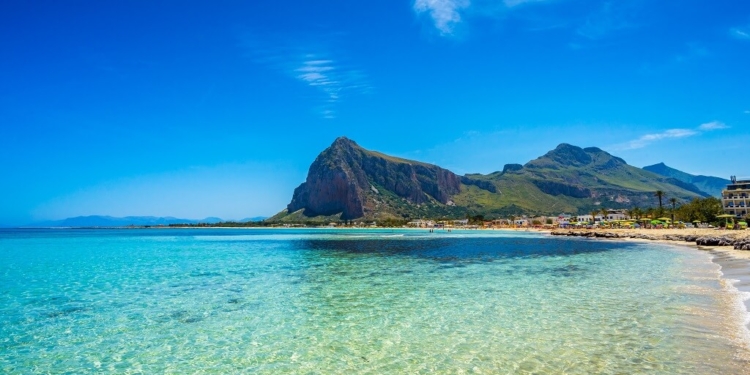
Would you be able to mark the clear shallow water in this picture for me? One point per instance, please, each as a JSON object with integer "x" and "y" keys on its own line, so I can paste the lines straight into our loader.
{"x": 315, "y": 301}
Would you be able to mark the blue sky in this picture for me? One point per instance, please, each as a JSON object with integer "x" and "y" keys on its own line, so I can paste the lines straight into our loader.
{"x": 193, "y": 110}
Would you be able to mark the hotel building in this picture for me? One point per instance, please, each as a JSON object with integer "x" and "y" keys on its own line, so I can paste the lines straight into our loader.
{"x": 736, "y": 197}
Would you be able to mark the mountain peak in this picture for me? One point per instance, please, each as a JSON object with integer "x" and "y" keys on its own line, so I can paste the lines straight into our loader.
{"x": 567, "y": 155}
{"x": 563, "y": 154}
{"x": 344, "y": 141}
{"x": 563, "y": 146}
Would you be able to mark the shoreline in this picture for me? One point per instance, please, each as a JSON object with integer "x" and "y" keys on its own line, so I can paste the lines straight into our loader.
{"x": 729, "y": 252}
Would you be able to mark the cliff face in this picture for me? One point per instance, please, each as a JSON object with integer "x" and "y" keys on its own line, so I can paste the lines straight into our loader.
{"x": 348, "y": 182}
{"x": 347, "y": 179}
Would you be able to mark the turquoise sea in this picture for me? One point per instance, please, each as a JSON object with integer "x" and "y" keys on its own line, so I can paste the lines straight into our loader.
{"x": 225, "y": 301}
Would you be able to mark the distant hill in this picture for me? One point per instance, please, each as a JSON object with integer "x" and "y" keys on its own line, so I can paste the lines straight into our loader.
{"x": 253, "y": 219}
{"x": 109, "y": 221}
{"x": 348, "y": 182}
{"x": 709, "y": 184}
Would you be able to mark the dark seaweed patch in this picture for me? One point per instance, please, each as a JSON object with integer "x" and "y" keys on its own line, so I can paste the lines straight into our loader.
{"x": 205, "y": 274}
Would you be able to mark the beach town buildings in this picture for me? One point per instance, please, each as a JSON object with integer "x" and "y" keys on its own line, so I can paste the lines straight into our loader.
{"x": 610, "y": 216}
{"x": 736, "y": 197}
{"x": 460, "y": 223}
{"x": 588, "y": 218}
{"x": 616, "y": 215}
{"x": 421, "y": 223}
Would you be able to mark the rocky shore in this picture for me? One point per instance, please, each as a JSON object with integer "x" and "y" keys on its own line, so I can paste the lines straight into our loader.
{"x": 739, "y": 240}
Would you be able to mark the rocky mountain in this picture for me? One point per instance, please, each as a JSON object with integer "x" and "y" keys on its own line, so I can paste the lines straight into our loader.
{"x": 709, "y": 184}
{"x": 348, "y": 182}
{"x": 109, "y": 221}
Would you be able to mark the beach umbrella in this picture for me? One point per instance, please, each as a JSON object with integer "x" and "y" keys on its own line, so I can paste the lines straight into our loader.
{"x": 664, "y": 219}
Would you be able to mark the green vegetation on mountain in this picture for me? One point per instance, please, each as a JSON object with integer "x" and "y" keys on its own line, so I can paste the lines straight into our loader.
{"x": 709, "y": 184}
{"x": 348, "y": 182}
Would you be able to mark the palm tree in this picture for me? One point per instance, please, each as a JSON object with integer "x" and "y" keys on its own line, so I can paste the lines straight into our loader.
{"x": 673, "y": 201}
{"x": 659, "y": 194}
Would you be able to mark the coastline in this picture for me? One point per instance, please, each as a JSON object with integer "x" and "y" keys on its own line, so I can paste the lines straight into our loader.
{"x": 734, "y": 264}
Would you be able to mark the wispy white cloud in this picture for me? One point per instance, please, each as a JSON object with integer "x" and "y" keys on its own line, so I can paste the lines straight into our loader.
{"x": 713, "y": 125}
{"x": 444, "y": 13}
{"x": 607, "y": 17}
{"x": 740, "y": 32}
{"x": 310, "y": 64}
{"x": 327, "y": 76}
{"x": 648, "y": 139}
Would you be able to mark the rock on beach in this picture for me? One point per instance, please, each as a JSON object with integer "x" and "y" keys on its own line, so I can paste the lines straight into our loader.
{"x": 740, "y": 240}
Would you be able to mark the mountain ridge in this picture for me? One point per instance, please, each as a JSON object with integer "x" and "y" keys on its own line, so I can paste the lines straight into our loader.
{"x": 111, "y": 221}
{"x": 709, "y": 184}
{"x": 347, "y": 182}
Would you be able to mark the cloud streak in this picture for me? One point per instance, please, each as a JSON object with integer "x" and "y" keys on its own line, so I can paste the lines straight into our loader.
{"x": 606, "y": 17}
{"x": 740, "y": 33}
{"x": 310, "y": 64}
{"x": 330, "y": 78}
{"x": 648, "y": 139}
{"x": 444, "y": 13}
{"x": 713, "y": 125}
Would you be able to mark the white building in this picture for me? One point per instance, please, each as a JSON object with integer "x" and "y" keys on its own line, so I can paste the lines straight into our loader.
{"x": 421, "y": 223}
{"x": 587, "y": 218}
{"x": 736, "y": 197}
{"x": 617, "y": 215}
